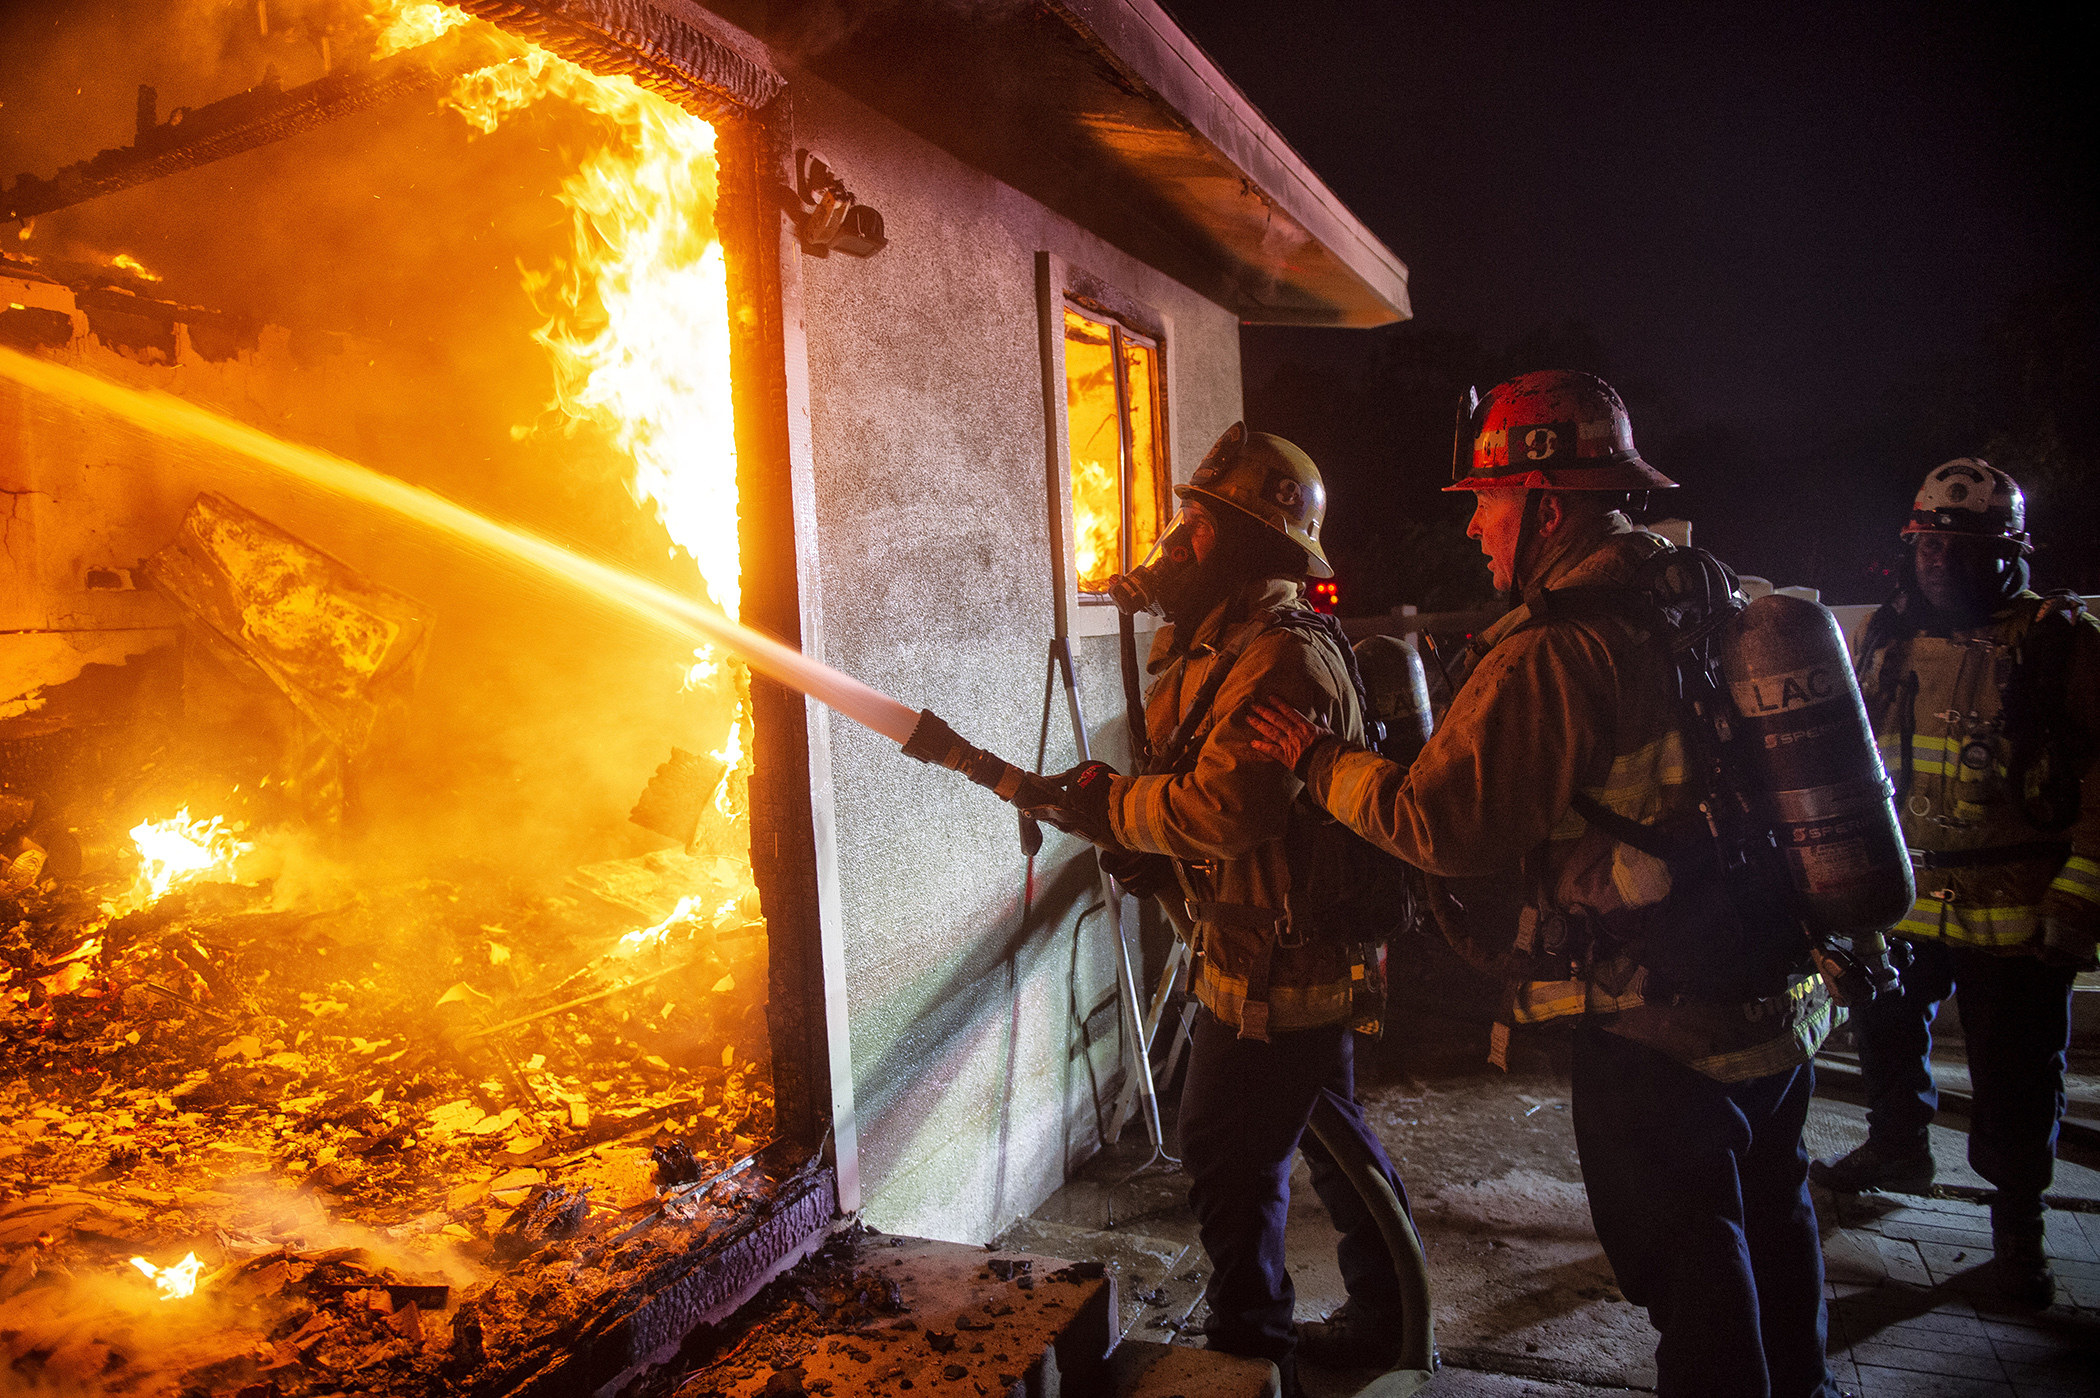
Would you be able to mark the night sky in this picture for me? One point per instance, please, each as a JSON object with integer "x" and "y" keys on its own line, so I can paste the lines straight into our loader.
{"x": 1792, "y": 235}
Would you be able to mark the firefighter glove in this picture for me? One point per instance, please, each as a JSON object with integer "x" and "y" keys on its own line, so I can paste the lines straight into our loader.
{"x": 1139, "y": 875}
{"x": 1082, "y": 804}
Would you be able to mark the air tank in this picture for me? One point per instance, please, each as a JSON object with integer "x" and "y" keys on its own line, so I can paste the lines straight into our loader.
{"x": 1806, "y": 754}
{"x": 1398, "y": 690}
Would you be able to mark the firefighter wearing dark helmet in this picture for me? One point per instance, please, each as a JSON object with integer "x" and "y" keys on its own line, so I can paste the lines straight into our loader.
{"x": 1691, "y": 1081}
{"x": 1272, "y": 968}
{"x": 1986, "y": 700}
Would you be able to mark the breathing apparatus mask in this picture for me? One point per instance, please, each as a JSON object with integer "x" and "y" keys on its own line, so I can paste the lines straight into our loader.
{"x": 1160, "y": 583}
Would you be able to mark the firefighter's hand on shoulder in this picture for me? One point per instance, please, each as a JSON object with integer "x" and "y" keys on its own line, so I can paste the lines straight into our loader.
{"x": 1284, "y": 735}
{"x": 1082, "y": 804}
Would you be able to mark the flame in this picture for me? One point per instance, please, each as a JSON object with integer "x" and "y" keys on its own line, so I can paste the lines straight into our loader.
{"x": 643, "y": 939}
{"x": 174, "y": 1282}
{"x": 177, "y": 852}
{"x": 406, "y": 23}
{"x": 1095, "y": 424}
{"x": 636, "y": 326}
{"x": 125, "y": 262}
{"x": 1096, "y": 521}
{"x": 637, "y": 329}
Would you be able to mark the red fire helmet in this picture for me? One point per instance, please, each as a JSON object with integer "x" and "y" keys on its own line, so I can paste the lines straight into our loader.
{"x": 1550, "y": 430}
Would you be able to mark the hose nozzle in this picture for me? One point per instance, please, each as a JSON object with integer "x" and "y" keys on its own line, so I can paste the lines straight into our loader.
{"x": 932, "y": 740}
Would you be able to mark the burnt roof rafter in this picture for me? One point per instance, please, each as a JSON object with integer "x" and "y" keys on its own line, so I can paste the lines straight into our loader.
{"x": 674, "y": 49}
{"x": 264, "y": 114}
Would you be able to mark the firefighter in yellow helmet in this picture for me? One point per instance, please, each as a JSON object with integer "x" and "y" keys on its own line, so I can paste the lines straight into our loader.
{"x": 1986, "y": 699}
{"x": 1232, "y": 836}
{"x": 1694, "y": 1032}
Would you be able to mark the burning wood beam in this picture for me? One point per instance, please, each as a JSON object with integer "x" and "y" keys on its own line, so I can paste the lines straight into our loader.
{"x": 264, "y": 114}
{"x": 706, "y": 72}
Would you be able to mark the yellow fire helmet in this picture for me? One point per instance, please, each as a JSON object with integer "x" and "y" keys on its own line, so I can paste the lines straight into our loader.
{"x": 1261, "y": 475}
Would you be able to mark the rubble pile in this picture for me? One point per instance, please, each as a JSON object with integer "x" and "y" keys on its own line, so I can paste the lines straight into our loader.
{"x": 413, "y": 1139}
{"x": 872, "y": 1314}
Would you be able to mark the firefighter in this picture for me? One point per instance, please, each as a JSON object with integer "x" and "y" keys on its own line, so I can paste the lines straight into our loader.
{"x": 1690, "y": 1084}
{"x": 1272, "y": 970}
{"x": 1986, "y": 699}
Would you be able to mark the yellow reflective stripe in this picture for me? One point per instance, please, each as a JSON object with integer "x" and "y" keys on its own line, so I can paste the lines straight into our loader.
{"x": 1634, "y": 785}
{"x": 1973, "y": 924}
{"x": 1544, "y": 1000}
{"x": 1140, "y": 819}
{"x": 1538, "y": 1001}
{"x": 1352, "y": 784}
{"x": 1931, "y": 757}
{"x": 2080, "y": 878}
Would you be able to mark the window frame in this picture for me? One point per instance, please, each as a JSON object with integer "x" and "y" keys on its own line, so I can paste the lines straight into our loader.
{"x": 1059, "y": 286}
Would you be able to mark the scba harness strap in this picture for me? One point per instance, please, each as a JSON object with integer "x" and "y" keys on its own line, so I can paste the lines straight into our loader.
{"x": 1722, "y": 931}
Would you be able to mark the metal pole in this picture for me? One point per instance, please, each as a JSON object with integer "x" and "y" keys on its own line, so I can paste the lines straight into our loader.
{"x": 1133, "y": 1008}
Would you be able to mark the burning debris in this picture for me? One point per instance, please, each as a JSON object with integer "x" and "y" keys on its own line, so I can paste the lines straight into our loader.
{"x": 249, "y": 1089}
{"x": 873, "y": 1314}
{"x": 270, "y": 1128}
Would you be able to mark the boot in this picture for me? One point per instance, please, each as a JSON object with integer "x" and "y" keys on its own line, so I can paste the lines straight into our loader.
{"x": 1350, "y": 1338}
{"x": 1875, "y": 1166}
{"x": 2020, "y": 1269}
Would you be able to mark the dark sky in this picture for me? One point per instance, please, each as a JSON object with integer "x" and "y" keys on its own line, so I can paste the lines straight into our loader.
{"x": 1769, "y": 215}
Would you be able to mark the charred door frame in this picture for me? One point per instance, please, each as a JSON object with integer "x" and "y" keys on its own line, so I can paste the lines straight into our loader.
{"x": 693, "y": 59}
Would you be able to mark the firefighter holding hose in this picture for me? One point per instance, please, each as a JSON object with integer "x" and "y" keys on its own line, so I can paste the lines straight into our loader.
{"x": 1233, "y": 835}
{"x": 1563, "y": 761}
{"x": 1986, "y": 698}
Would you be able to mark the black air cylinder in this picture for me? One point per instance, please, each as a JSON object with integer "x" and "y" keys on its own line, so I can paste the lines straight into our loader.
{"x": 1398, "y": 689}
{"x": 1804, "y": 746}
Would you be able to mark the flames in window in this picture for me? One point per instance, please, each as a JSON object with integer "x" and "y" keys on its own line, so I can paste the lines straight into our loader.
{"x": 1119, "y": 497}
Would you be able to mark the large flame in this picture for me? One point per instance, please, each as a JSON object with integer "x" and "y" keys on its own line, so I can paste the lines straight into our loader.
{"x": 177, "y": 852}
{"x": 1094, "y": 418}
{"x": 174, "y": 1282}
{"x": 637, "y": 323}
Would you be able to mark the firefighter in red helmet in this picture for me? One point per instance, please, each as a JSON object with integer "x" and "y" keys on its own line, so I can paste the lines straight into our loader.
{"x": 1691, "y": 1065}
{"x": 1986, "y": 699}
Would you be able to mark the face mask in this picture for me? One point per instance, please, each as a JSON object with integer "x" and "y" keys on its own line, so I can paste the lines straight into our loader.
{"x": 1163, "y": 579}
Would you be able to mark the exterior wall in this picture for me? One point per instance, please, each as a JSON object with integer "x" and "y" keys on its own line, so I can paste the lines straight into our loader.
{"x": 985, "y": 1042}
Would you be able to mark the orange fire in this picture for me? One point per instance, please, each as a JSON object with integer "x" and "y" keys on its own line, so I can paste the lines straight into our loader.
{"x": 1094, "y": 421}
{"x": 637, "y": 329}
{"x": 1097, "y": 508}
{"x": 173, "y": 1282}
{"x": 178, "y": 852}
{"x": 125, "y": 262}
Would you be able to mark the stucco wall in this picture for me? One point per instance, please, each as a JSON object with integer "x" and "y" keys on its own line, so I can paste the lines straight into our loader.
{"x": 984, "y": 1042}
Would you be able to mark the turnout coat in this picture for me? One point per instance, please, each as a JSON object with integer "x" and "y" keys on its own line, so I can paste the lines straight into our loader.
{"x": 1990, "y": 877}
{"x": 1558, "y": 705}
{"x": 1244, "y": 839}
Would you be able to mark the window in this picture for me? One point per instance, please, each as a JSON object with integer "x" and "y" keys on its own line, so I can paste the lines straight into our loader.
{"x": 1117, "y": 445}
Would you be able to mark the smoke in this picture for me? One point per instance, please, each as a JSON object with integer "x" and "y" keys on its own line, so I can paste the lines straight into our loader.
{"x": 107, "y": 1328}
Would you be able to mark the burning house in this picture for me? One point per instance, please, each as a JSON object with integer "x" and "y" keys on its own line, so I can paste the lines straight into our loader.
{"x": 388, "y": 414}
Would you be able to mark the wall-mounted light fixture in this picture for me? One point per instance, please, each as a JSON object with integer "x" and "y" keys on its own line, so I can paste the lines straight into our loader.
{"x": 828, "y": 218}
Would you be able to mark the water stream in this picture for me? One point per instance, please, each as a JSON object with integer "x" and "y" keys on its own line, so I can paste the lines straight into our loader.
{"x": 175, "y": 418}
